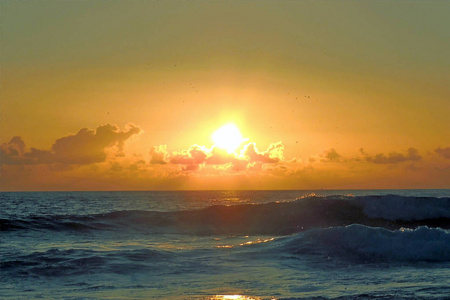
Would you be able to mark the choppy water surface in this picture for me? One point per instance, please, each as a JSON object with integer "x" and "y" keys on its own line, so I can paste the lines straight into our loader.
{"x": 226, "y": 245}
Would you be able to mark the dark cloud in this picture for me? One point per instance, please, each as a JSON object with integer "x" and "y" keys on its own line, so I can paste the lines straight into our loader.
{"x": 395, "y": 157}
{"x": 116, "y": 167}
{"x": 16, "y": 145}
{"x": 331, "y": 156}
{"x": 136, "y": 166}
{"x": 444, "y": 152}
{"x": 12, "y": 152}
{"x": 88, "y": 146}
{"x": 85, "y": 147}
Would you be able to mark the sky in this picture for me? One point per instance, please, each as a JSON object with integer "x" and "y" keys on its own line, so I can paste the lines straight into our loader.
{"x": 126, "y": 95}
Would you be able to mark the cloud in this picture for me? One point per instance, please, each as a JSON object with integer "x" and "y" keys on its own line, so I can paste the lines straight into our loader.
{"x": 196, "y": 155}
{"x": 395, "y": 157}
{"x": 85, "y": 147}
{"x": 218, "y": 156}
{"x": 136, "y": 165}
{"x": 191, "y": 158}
{"x": 444, "y": 152}
{"x": 273, "y": 154}
{"x": 88, "y": 146}
{"x": 191, "y": 167}
{"x": 16, "y": 146}
{"x": 198, "y": 167}
{"x": 331, "y": 156}
{"x": 12, "y": 152}
{"x": 159, "y": 155}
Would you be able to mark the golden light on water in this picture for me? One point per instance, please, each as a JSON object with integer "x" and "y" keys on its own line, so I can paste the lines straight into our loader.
{"x": 258, "y": 241}
{"x": 234, "y": 297}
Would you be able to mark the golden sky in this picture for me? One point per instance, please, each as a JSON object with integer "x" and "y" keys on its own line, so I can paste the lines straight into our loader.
{"x": 126, "y": 95}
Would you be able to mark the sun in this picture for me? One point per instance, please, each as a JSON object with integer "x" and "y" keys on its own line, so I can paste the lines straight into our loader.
{"x": 228, "y": 137}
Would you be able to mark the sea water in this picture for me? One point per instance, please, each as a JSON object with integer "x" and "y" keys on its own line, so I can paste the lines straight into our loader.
{"x": 390, "y": 244}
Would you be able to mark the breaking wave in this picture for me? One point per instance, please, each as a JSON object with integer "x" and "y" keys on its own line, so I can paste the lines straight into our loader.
{"x": 390, "y": 212}
{"x": 325, "y": 246}
{"x": 360, "y": 243}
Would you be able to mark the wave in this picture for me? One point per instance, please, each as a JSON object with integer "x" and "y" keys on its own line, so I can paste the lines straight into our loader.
{"x": 72, "y": 262}
{"x": 403, "y": 208}
{"x": 390, "y": 212}
{"x": 367, "y": 244}
{"x": 327, "y": 247}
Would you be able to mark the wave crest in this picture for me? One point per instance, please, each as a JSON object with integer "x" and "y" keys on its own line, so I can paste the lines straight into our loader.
{"x": 391, "y": 212}
{"x": 366, "y": 244}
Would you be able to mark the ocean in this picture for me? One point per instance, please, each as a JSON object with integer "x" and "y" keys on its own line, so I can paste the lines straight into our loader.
{"x": 356, "y": 244}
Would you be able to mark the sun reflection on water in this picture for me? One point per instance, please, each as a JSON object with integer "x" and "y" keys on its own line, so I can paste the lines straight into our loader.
{"x": 234, "y": 297}
{"x": 258, "y": 241}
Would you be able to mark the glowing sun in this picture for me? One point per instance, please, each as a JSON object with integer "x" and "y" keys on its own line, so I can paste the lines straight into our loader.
{"x": 228, "y": 137}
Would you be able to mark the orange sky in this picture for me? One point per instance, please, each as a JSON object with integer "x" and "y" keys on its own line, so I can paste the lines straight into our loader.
{"x": 125, "y": 95}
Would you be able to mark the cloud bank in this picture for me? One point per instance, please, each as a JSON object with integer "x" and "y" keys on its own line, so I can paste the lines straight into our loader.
{"x": 444, "y": 152}
{"x": 85, "y": 147}
{"x": 395, "y": 157}
{"x": 99, "y": 160}
{"x": 196, "y": 156}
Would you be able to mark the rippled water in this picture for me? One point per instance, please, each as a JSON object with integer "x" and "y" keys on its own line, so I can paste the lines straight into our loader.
{"x": 226, "y": 245}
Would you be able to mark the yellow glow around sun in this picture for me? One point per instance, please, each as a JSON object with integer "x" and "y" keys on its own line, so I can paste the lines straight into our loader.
{"x": 228, "y": 137}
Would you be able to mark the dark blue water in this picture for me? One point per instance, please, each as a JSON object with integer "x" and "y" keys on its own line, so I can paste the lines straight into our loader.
{"x": 226, "y": 245}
